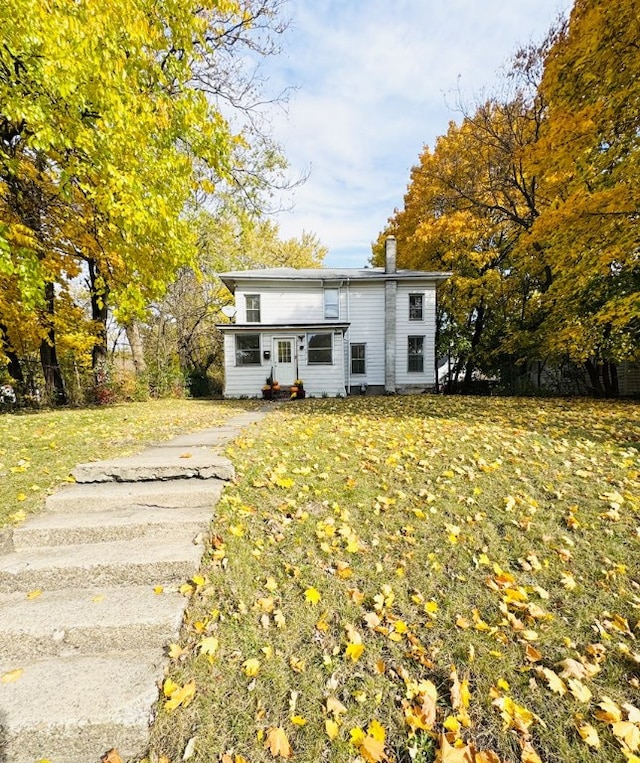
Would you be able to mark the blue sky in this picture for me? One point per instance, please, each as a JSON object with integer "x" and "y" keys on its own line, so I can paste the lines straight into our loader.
{"x": 374, "y": 82}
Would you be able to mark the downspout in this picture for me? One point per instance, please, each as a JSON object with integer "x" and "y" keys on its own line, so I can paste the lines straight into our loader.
{"x": 390, "y": 309}
{"x": 349, "y": 338}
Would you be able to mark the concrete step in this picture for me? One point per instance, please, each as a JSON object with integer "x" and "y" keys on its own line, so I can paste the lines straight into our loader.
{"x": 56, "y": 529}
{"x": 77, "y": 708}
{"x": 142, "y": 561}
{"x": 87, "y": 621}
{"x": 163, "y": 463}
{"x": 110, "y": 495}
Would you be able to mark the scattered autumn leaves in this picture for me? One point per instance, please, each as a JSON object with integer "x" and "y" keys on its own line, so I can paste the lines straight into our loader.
{"x": 418, "y": 579}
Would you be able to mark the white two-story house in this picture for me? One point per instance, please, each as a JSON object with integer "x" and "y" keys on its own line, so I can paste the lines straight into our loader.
{"x": 342, "y": 331}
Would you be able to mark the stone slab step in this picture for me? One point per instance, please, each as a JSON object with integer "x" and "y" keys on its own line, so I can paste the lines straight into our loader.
{"x": 103, "y": 496}
{"x": 87, "y": 620}
{"x": 158, "y": 464}
{"x": 54, "y": 529}
{"x": 141, "y": 561}
{"x": 77, "y": 708}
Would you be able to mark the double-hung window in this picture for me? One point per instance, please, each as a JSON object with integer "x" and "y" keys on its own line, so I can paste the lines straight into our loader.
{"x": 253, "y": 308}
{"x": 415, "y": 354}
{"x": 358, "y": 359}
{"x": 320, "y": 349}
{"x": 247, "y": 349}
{"x": 416, "y": 307}
{"x": 331, "y": 303}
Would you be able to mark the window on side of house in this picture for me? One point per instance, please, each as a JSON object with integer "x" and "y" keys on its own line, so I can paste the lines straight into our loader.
{"x": 415, "y": 355}
{"x": 253, "y": 308}
{"x": 320, "y": 349}
{"x": 331, "y": 303}
{"x": 416, "y": 307}
{"x": 247, "y": 349}
{"x": 358, "y": 354}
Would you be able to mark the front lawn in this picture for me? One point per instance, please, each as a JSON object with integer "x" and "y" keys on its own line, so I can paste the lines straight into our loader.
{"x": 418, "y": 578}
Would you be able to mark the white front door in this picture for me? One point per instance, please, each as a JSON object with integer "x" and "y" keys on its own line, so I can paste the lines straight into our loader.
{"x": 284, "y": 360}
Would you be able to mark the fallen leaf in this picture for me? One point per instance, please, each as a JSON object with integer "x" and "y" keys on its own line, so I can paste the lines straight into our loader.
{"x": 354, "y": 651}
{"x": 12, "y": 675}
{"x": 589, "y": 734}
{"x": 180, "y": 695}
{"x": 556, "y": 684}
{"x": 332, "y": 728}
{"x": 450, "y": 754}
{"x": 312, "y": 595}
{"x": 486, "y": 756}
{"x": 209, "y": 645}
{"x": 111, "y": 756}
{"x": 628, "y": 733}
{"x": 251, "y": 667}
{"x": 609, "y": 712}
{"x": 278, "y": 743}
{"x": 34, "y": 594}
{"x": 579, "y": 690}
{"x": 528, "y": 754}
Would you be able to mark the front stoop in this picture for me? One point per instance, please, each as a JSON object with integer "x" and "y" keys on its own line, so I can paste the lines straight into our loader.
{"x": 79, "y": 613}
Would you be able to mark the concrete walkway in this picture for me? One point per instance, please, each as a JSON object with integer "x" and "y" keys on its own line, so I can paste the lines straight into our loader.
{"x": 82, "y": 632}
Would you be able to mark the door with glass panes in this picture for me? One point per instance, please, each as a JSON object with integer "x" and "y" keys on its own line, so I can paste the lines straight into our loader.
{"x": 284, "y": 362}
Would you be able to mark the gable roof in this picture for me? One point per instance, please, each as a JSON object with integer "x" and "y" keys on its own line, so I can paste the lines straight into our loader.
{"x": 232, "y": 278}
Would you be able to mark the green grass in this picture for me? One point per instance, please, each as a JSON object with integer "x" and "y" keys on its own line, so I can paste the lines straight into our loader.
{"x": 441, "y": 533}
{"x": 38, "y": 450}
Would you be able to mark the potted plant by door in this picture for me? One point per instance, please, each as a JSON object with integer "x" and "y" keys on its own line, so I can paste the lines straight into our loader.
{"x": 297, "y": 390}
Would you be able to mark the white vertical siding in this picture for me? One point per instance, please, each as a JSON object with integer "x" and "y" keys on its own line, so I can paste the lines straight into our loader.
{"x": 406, "y": 328}
{"x": 366, "y": 316}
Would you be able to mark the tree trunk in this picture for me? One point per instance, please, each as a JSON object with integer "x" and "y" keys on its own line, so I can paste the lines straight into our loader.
{"x": 475, "y": 341}
{"x": 13, "y": 366}
{"x": 54, "y": 383}
{"x": 99, "y": 314}
{"x": 593, "y": 369}
{"x": 134, "y": 338}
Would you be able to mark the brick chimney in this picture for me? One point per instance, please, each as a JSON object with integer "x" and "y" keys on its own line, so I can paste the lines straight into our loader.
{"x": 390, "y": 254}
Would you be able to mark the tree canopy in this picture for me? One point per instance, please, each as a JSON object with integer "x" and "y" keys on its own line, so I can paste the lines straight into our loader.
{"x": 532, "y": 201}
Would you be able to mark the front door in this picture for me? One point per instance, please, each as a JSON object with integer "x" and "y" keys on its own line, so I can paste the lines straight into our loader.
{"x": 284, "y": 366}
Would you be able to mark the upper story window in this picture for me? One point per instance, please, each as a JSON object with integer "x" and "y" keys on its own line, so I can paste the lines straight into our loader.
{"x": 320, "y": 349}
{"x": 253, "y": 308}
{"x": 416, "y": 307}
{"x": 247, "y": 349}
{"x": 331, "y": 303}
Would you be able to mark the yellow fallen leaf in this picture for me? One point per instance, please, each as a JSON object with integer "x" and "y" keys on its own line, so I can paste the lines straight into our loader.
{"x": 528, "y": 754}
{"x": 209, "y": 645}
{"x": 532, "y": 654}
{"x": 370, "y": 745}
{"x": 181, "y": 695}
{"x": 579, "y": 690}
{"x": 312, "y": 595}
{"x": 277, "y": 743}
{"x": 12, "y": 675}
{"x": 271, "y": 584}
{"x": 588, "y": 734}
{"x": 335, "y": 707}
{"x": 609, "y": 712}
{"x": 298, "y": 720}
{"x": 354, "y": 651}
{"x": 332, "y": 728}
{"x": 486, "y": 756}
{"x": 628, "y": 733}
{"x": 34, "y": 594}
{"x": 452, "y": 754}
{"x": 158, "y": 589}
{"x": 251, "y": 667}
{"x": 556, "y": 684}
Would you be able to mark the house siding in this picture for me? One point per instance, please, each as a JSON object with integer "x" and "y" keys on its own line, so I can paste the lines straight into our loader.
{"x": 366, "y": 316}
{"x": 406, "y": 328}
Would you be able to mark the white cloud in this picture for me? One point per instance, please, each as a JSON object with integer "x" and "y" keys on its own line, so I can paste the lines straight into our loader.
{"x": 376, "y": 81}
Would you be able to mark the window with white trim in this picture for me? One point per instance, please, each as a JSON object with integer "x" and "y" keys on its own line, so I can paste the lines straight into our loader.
{"x": 416, "y": 307}
{"x": 358, "y": 357}
{"x": 331, "y": 303}
{"x": 247, "y": 349}
{"x": 320, "y": 349}
{"x": 415, "y": 354}
{"x": 253, "y": 308}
